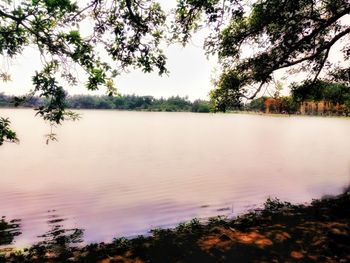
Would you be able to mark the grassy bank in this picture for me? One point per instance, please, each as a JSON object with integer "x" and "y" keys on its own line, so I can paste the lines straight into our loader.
{"x": 280, "y": 232}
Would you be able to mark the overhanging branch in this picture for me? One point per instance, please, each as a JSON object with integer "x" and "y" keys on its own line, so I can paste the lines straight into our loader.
{"x": 318, "y": 51}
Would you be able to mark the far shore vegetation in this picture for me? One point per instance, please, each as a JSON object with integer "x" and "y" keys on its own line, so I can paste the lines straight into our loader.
{"x": 279, "y": 232}
{"x": 316, "y": 98}
{"x": 123, "y": 102}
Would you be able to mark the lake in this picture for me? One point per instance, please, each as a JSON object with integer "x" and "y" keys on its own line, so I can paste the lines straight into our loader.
{"x": 116, "y": 173}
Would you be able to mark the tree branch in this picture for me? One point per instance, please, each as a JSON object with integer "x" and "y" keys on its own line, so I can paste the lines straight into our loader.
{"x": 135, "y": 18}
{"x": 322, "y": 64}
{"x": 318, "y": 51}
{"x": 95, "y": 2}
{"x": 311, "y": 36}
{"x": 256, "y": 92}
{"x": 15, "y": 18}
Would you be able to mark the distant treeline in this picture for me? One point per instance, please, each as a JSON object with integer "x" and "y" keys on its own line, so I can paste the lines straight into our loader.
{"x": 124, "y": 102}
{"x": 306, "y": 98}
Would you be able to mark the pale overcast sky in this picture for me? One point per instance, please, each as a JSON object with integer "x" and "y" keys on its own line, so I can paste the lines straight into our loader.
{"x": 190, "y": 75}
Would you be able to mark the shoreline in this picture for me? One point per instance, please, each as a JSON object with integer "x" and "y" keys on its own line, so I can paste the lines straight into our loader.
{"x": 279, "y": 232}
{"x": 212, "y": 113}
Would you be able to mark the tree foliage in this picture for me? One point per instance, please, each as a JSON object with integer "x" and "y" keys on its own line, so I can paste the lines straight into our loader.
{"x": 333, "y": 92}
{"x": 227, "y": 95}
{"x": 283, "y": 104}
{"x": 257, "y": 104}
{"x": 69, "y": 34}
{"x": 6, "y": 134}
{"x": 270, "y": 35}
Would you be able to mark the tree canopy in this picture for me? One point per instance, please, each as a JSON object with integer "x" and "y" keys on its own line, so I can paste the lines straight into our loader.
{"x": 336, "y": 93}
{"x": 252, "y": 42}
{"x": 69, "y": 33}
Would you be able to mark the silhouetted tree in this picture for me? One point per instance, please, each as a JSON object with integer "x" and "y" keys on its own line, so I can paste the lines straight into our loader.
{"x": 284, "y": 34}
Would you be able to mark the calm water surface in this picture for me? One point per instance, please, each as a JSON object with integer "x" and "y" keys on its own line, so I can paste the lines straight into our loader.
{"x": 123, "y": 173}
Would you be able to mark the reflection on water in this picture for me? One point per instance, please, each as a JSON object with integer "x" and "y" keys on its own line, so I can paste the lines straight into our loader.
{"x": 9, "y": 230}
{"x": 123, "y": 173}
{"x": 56, "y": 239}
{"x": 58, "y": 236}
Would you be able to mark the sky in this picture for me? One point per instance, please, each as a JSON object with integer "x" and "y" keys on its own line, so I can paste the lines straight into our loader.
{"x": 190, "y": 75}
